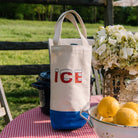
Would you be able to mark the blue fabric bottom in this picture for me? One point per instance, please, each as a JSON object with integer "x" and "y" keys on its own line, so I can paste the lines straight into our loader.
{"x": 67, "y": 120}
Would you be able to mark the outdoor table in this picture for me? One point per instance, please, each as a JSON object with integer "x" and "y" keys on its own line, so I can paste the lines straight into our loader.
{"x": 35, "y": 124}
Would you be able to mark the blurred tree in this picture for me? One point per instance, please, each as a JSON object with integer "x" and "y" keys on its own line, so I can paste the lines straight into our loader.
{"x": 132, "y": 16}
{"x": 39, "y": 9}
{"x": 25, "y": 11}
{"x": 126, "y": 15}
{"x": 49, "y": 12}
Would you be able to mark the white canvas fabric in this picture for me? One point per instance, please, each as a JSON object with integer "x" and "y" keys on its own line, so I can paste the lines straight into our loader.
{"x": 70, "y": 67}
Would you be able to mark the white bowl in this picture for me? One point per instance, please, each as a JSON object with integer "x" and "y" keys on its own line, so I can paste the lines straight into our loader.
{"x": 109, "y": 130}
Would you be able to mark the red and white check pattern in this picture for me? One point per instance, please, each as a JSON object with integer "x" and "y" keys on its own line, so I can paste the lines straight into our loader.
{"x": 34, "y": 124}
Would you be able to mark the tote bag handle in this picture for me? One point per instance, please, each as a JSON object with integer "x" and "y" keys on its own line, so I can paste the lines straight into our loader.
{"x": 70, "y": 17}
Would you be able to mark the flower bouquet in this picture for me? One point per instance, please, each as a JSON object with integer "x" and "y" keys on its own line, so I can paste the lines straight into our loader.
{"x": 116, "y": 52}
{"x": 115, "y": 47}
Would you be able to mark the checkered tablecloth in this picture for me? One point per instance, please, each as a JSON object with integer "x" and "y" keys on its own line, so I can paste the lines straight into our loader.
{"x": 34, "y": 124}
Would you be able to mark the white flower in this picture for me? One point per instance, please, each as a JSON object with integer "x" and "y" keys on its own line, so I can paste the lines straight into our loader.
{"x": 123, "y": 53}
{"x": 112, "y": 41}
{"x": 129, "y": 51}
{"x": 136, "y": 46}
{"x": 102, "y": 32}
{"x": 101, "y": 49}
{"x": 115, "y": 47}
{"x": 136, "y": 36}
{"x": 102, "y": 40}
{"x": 121, "y": 35}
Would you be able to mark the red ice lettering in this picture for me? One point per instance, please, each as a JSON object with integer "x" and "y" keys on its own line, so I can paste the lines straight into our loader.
{"x": 78, "y": 77}
{"x": 66, "y": 76}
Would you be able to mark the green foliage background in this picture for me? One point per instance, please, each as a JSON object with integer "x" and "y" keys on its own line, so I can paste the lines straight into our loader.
{"x": 90, "y": 14}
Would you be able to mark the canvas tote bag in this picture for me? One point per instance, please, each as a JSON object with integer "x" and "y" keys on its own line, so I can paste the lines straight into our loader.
{"x": 70, "y": 66}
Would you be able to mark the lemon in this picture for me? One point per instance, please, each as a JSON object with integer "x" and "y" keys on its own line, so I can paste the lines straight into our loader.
{"x": 108, "y": 107}
{"x": 109, "y": 119}
{"x": 126, "y": 116}
{"x": 131, "y": 105}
